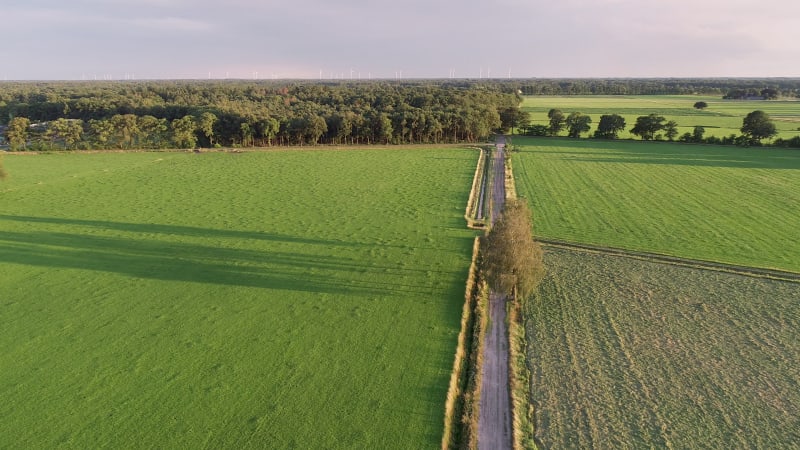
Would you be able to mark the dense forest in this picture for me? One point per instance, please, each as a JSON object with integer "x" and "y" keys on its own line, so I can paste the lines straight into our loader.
{"x": 237, "y": 113}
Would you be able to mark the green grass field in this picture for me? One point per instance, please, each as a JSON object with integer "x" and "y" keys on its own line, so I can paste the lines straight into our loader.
{"x": 288, "y": 299}
{"x": 721, "y": 118}
{"x": 718, "y": 203}
{"x": 633, "y": 354}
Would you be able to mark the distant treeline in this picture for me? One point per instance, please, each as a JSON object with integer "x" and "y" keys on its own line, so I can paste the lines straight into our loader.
{"x": 756, "y": 126}
{"x": 723, "y": 87}
{"x": 236, "y": 113}
{"x": 185, "y": 114}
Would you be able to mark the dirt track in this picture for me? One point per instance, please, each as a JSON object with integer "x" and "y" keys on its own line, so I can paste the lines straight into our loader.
{"x": 494, "y": 421}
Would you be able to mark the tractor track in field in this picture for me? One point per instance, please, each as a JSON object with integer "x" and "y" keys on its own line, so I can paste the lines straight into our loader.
{"x": 757, "y": 272}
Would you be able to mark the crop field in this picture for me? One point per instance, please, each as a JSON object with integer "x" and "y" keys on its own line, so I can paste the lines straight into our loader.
{"x": 286, "y": 299}
{"x": 631, "y": 354}
{"x": 718, "y": 203}
{"x": 721, "y": 118}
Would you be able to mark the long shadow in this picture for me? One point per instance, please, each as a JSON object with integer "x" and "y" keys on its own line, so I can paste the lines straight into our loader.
{"x": 178, "y": 230}
{"x": 161, "y": 260}
{"x": 669, "y": 153}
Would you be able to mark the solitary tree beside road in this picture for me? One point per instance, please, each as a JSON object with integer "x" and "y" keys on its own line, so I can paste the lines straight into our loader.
{"x": 512, "y": 257}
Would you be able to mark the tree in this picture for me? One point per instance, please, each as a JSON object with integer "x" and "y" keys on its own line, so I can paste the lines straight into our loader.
{"x": 247, "y": 134}
{"x": 557, "y": 120}
{"x": 577, "y": 123}
{"x": 101, "y": 131}
{"x": 314, "y": 127}
{"x": 648, "y": 126}
{"x": 697, "y": 134}
{"x": 769, "y": 93}
{"x": 609, "y": 126}
{"x": 183, "y": 132}
{"x": 513, "y": 117}
{"x": 17, "y": 133}
{"x": 340, "y": 126}
{"x": 512, "y": 257}
{"x": 206, "y": 126}
{"x": 126, "y": 127}
{"x": 757, "y": 126}
{"x": 381, "y": 127}
{"x": 671, "y": 130}
{"x": 152, "y": 132}
{"x": 69, "y": 130}
{"x": 700, "y": 105}
{"x": 268, "y": 129}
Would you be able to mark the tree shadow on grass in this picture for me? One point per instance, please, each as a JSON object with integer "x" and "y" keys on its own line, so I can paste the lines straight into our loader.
{"x": 177, "y": 230}
{"x": 312, "y": 271}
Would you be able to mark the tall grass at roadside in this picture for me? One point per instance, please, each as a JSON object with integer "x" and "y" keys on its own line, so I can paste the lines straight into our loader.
{"x": 454, "y": 405}
{"x": 475, "y": 193}
{"x": 472, "y": 394}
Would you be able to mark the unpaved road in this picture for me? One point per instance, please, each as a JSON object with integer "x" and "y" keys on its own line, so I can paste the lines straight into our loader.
{"x": 494, "y": 420}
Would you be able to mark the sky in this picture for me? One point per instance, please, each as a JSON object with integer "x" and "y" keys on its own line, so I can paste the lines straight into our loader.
{"x": 180, "y": 39}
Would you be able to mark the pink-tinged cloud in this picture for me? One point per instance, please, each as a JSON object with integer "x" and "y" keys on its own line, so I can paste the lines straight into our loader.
{"x": 568, "y": 38}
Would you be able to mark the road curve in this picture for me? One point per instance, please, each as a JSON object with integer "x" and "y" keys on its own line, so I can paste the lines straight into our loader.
{"x": 494, "y": 419}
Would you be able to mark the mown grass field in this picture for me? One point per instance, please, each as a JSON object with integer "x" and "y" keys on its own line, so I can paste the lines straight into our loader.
{"x": 718, "y": 203}
{"x": 633, "y": 354}
{"x": 721, "y": 118}
{"x": 288, "y": 299}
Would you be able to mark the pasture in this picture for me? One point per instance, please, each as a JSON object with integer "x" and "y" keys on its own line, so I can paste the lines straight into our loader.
{"x": 721, "y": 118}
{"x": 286, "y": 299}
{"x": 631, "y": 354}
{"x": 717, "y": 203}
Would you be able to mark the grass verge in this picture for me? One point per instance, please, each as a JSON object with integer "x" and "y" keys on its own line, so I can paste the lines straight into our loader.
{"x": 454, "y": 406}
{"x": 477, "y": 194}
{"x": 472, "y": 394}
{"x": 522, "y": 413}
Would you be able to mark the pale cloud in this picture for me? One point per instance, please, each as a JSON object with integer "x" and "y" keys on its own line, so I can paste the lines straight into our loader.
{"x": 173, "y": 24}
{"x": 584, "y": 38}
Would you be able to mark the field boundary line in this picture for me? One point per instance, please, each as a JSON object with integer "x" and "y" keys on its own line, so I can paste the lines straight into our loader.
{"x": 756, "y": 272}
